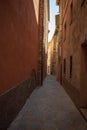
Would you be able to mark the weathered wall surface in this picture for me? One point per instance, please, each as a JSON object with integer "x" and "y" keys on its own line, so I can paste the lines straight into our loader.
{"x": 52, "y": 56}
{"x": 74, "y": 20}
{"x": 45, "y": 36}
{"x": 19, "y": 50}
{"x": 71, "y": 46}
{"x": 44, "y": 17}
{"x": 12, "y": 102}
{"x": 18, "y": 41}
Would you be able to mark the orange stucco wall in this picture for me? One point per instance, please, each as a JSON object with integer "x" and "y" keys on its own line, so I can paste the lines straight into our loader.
{"x": 19, "y": 44}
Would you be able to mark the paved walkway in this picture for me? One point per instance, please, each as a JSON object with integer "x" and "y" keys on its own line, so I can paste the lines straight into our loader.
{"x": 49, "y": 108}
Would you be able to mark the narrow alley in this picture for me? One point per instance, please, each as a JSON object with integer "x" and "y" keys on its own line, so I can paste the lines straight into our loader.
{"x": 43, "y": 64}
{"x": 49, "y": 108}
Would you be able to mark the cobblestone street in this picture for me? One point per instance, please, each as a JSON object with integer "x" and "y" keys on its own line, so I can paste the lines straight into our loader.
{"x": 49, "y": 108}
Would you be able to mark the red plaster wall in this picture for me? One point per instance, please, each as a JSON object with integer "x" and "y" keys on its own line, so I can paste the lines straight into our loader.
{"x": 18, "y": 41}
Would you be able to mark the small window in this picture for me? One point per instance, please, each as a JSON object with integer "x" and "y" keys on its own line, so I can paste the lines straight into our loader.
{"x": 64, "y": 66}
{"x": 64, "y": 32}
{"x": 71, "y": 13}
{"x": 70, "y": 66}
{"x": 82, "y": 2}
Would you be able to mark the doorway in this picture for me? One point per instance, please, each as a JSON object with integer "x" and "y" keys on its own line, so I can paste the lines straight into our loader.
{"x": 83, "y": 89}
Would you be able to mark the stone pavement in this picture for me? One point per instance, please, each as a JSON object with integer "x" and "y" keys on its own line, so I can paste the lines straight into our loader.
{"x": 49, "y": 108}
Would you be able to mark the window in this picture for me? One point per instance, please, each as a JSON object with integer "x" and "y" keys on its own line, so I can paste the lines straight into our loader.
{"x": 82, "y": 2}
{"x": 71, "y": 13}
{"x": 64, "y": 31}
{"x": 70, "y": 66}
{"x": 64, "y": 66}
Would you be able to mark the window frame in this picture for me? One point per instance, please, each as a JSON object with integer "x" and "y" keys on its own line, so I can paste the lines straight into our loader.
{"x": 64, "y": 32}
{"x": 71, "y": 12}
{"x": 82, "y": 2}
{"x": 70, "y": 66}
{"x": 64, "y": 67}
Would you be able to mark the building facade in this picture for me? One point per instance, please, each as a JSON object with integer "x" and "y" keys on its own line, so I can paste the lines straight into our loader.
{"x": 53, "y": 50}
{"x": 50, "y": 61}
{"x": 52, "y": 56}
{"x": 45, "y": 36}
{"x": 43, "y": 30}
{"x": 21, "y": 53}
{"x": 73, "y": 62}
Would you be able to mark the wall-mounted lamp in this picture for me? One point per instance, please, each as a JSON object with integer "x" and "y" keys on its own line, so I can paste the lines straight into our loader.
{"x": 84, "y": 44}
